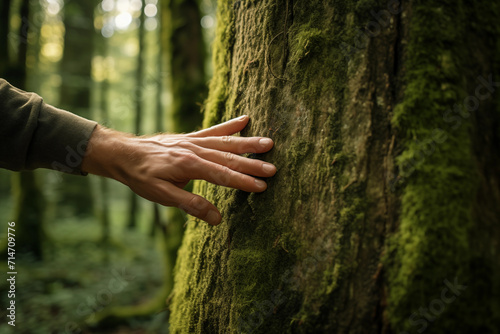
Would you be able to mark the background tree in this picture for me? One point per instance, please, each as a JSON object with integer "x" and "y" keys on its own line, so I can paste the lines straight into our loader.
{"x": 183, "y": 53}
{"x": 383, "y": 216}
{"x": 101, "y": 186}
{"x": 28, "y": 198}
{"x": 138, "y": 99}
{"x": 76, "y": 85}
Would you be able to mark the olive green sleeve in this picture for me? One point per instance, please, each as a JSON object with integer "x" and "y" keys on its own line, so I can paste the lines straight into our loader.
{"x": 34, "y": 134}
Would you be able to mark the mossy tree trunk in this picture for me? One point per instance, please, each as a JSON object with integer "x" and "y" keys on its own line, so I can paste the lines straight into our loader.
{"x": 383, "y": 216}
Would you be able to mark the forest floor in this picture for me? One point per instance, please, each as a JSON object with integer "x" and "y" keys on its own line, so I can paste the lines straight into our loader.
{"x": 80, "y": 276}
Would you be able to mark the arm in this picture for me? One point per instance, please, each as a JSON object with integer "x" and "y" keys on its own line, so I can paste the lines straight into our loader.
{"x": 37, "y": 135}
{"x": 158, "y": 167}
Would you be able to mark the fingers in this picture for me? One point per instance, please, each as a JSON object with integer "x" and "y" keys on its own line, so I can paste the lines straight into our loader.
{"x": 224, "y": 176}
{"x": 235, "y": 162}
{"x": 192, "y": 204}
{"x": 238, "y": 145}
{"x": 224, "y": 129}
{"x": 219, "y": 137}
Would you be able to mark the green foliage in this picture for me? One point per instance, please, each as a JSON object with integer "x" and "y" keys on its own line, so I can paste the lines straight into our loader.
{"x": 74, "y": 283}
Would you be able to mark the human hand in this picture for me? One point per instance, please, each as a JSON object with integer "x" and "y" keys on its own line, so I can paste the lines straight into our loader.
{"x": 159, "y": 166}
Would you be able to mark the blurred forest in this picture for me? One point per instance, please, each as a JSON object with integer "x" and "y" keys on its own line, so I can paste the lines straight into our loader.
{"x": 91, "y": 256}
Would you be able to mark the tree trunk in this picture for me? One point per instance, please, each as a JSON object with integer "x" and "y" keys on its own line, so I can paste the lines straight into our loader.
{"x": 157, "y": 223}
{"x": 184, "y": 58}
{"x": 383, "y": 216}
{"x": 29, "y": 201}
{"x": 181, "y": 45}
{"x": 101, "y": 188}
{"x": 75, "y": 192}
{"x": 134, "y": 200}
{"x": 4, "y": 35}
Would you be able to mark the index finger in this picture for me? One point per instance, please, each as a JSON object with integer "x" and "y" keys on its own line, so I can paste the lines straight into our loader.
{"x": 228, "y": 128}
{"x": 237, "y": 145}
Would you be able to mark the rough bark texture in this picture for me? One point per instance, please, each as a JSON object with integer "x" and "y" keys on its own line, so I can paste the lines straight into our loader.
{"x": 383, "y": 197}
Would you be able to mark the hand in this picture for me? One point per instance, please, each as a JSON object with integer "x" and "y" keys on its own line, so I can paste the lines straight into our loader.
{"x": 158, "y": 167}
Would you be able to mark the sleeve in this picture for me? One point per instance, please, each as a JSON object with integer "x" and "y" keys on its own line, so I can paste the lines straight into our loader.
{"x": 34, "y": 134}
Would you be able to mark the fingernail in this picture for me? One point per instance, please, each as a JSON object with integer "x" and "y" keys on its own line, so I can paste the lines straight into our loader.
{"x": 261, "y": 184}
{"x": 241, "y": 117}
{"x": 268, "y": 168}
{"x": 213, "y": 217}
{"x": 265, "y": 142}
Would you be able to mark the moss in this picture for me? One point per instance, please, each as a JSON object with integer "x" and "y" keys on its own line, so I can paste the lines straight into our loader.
{"x": 253, "y": 270}
{"x": 306, "y": 43}
{"x": 433, "y": 243}
{"x": 219, "y": 85}
{"x": 302, "y": 256}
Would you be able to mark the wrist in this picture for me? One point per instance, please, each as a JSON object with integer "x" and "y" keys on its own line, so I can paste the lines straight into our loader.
{"x": 106, "y": 154}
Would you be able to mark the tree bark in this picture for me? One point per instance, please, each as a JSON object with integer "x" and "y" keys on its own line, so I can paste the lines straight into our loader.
{"x": 383, "y": 216}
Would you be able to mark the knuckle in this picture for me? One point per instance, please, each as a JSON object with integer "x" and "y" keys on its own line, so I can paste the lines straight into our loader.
{"x": 224, "y": 170}
{"x": 226, "y": 139}
{"x": 186, "y": 157}
{"x": 222, "y": 176}
{"x": 229, "y": 156}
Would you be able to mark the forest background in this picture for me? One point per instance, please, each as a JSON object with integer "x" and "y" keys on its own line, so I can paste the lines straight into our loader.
{"x": 85, "y": 245}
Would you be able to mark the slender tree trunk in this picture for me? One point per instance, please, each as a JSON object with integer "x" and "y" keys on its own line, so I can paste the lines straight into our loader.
{"x": 4, "y": 36}
{"x": 383, "y": 216}
{"x": 29, "y": 210}
{"x": 75, "y": 192}
{"x": 134, "y": 203}
{"x": 182, "y": 42}
{"x": 103, "y": 192}
{"x": 159, "y": 119}
{"x": 185, "y": 60}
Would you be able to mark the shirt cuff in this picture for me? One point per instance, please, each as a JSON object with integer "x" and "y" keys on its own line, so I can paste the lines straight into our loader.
{"x": 60, "y": 141}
